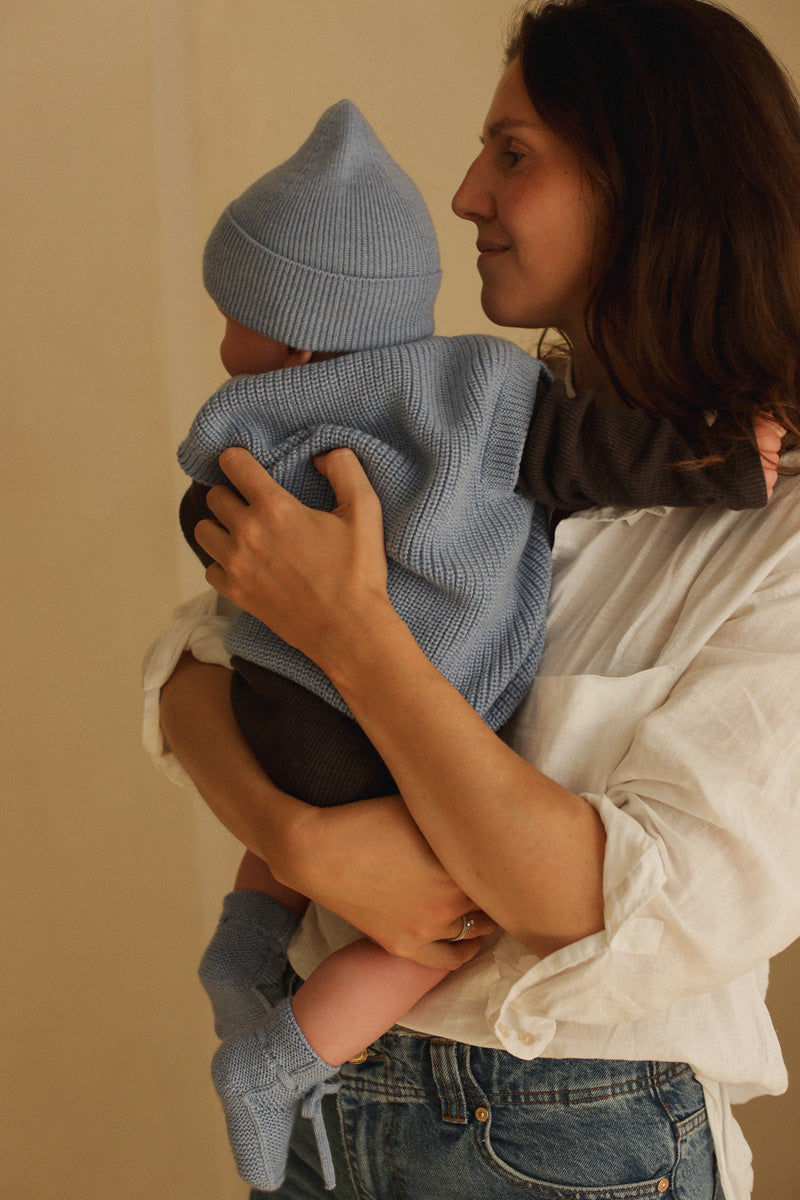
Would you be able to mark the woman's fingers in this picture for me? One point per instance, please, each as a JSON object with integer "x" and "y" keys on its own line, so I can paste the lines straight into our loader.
{"x": 464, "y": 940}
{"x": 346, "y": 476}
{"x": 340, "y": 467}
{"x": 247, "y": 475}
{"x": 471, "y": 925}
{"x": 447, "y": 956}
{"x": 315, "y": 600}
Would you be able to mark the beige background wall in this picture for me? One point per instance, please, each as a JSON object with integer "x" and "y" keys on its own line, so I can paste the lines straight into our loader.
{"x": 127, "y": 125}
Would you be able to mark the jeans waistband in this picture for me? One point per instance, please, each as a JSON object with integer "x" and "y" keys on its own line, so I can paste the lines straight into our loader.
{"x": 408, "y": 1065}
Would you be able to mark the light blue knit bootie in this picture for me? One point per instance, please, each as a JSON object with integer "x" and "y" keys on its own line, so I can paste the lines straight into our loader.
{"x": 243, "y": 968}
{"x": 261, "y": 1076}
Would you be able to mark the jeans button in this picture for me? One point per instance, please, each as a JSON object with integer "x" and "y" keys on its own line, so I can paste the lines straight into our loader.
{"x": 481, "y": 1114}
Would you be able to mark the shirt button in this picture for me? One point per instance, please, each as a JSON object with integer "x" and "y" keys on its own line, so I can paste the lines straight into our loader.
{"x": 481, "y": 1114}
{"x": 662, "y": 1185}
{"x": 359, "y": 1058}
{"x": 501, "y": 1029}
{"x": 526, "y": 1039}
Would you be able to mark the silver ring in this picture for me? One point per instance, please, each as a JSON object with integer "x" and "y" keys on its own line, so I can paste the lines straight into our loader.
{"x": 467, "y": 925}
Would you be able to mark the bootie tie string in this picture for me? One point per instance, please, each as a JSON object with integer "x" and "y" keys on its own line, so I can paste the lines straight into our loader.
{"x": 312, "y": 1108}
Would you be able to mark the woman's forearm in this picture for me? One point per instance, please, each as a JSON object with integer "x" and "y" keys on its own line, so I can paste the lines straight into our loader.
{"x": 528, "y": 851}
{"x": 200, "y": 728}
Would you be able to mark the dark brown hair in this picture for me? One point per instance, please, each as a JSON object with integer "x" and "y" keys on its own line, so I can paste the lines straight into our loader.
{"x": 690, "y": 134}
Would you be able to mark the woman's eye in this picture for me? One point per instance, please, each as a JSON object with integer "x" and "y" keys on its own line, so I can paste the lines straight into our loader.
{"x": 513, "y": 157}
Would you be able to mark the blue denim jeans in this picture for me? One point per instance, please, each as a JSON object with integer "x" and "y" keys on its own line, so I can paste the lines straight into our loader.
{"x": 427, "y": 1119}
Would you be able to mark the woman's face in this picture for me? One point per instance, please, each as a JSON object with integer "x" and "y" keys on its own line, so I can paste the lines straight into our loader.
{"x": 535, "y": 214}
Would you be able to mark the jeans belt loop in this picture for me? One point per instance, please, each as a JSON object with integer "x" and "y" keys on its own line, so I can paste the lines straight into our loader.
{"x": 447, "y": 1075}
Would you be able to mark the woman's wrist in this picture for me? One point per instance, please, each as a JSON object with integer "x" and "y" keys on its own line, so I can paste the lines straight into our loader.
{"x": 364, "y": 637}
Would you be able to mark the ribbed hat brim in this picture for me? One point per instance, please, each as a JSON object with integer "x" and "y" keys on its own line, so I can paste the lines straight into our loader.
{"x": 309, "y": 308}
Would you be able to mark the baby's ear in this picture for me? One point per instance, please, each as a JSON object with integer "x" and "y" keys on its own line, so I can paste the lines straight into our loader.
{"x": 297, "y": 358}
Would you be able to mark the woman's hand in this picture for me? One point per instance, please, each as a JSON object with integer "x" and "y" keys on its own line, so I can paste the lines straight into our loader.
{"x": 309, "y": 575}
{"x": 369, "y": 863}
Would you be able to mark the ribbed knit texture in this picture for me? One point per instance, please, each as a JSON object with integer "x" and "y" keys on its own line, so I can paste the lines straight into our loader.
{"x": 332, "y": 250}
{"x": 242, "y": 969}
{"x": 439, "y": 426}
{"x": 307, "y": 747}
{"x": 260, "y": 1076}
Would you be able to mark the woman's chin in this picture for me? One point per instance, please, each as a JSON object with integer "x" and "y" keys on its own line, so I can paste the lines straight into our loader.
{"x": 494, "y": 308}
{"x": 500, "y": 316}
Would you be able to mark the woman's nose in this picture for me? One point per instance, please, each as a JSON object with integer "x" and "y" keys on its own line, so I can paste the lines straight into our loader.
{"x": 472, "y": 202}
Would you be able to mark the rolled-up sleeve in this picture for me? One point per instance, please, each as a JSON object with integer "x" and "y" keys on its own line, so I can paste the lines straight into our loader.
{"x": 198, "y": 627}
{"x": 702, "y": 818}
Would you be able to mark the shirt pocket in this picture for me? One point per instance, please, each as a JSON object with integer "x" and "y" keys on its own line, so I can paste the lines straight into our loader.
{"x": 577, "y": 728}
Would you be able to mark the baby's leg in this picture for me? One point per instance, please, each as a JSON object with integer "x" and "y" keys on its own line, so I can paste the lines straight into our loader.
{"x": 243, "y": 968}
{"x": 355, "y": 995}
{"x": 261, "y": 1075}
{"x": 255, "y": 876}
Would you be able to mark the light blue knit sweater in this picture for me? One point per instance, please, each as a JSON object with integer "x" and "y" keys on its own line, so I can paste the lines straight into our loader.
{"x": 439, "y": 426}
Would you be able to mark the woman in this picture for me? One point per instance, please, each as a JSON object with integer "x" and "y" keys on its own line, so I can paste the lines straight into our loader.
{"x": 635, "y": 837}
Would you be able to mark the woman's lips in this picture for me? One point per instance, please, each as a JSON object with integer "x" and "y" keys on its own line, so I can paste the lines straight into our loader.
{"x": 488, "y": 250}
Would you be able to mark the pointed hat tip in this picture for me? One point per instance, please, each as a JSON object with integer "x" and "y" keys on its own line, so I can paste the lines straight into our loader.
{"x": 347, "y": 112}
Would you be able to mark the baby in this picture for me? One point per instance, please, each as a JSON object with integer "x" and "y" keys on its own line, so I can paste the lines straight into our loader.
{"x": 326, "y": 271}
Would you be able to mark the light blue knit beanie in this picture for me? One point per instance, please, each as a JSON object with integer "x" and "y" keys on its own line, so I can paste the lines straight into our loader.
{"x": 332, "y": 250}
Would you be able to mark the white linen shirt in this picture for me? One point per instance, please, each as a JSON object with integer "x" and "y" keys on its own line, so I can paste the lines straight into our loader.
{"x": 667, "y": 697}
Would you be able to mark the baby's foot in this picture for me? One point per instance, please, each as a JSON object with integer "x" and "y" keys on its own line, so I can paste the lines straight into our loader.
{"x": 261, "y": 1075}
{"x": 243, "y": 968}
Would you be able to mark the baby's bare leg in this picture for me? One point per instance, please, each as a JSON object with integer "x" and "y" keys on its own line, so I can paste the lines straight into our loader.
{"x": 293, "y": 1055}
{"x": 355, "y": 995}
{"x": 255, "y": 876}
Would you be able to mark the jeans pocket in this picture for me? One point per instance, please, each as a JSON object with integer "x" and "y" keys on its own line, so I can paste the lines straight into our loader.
{"x": 528, "y": 1154}
{"x": 595, "y": 1144}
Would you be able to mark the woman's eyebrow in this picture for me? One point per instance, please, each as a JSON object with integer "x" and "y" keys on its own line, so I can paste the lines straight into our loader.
{"x": 497, "y": 128}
